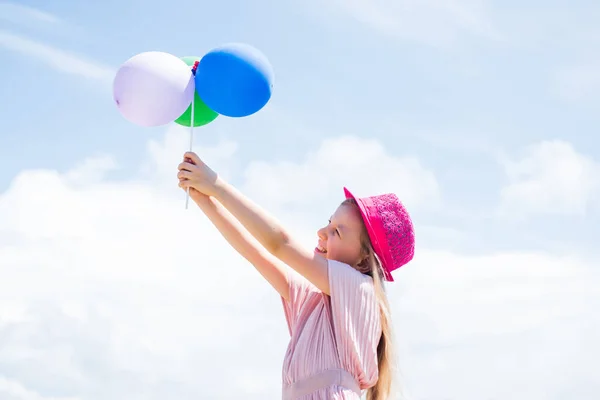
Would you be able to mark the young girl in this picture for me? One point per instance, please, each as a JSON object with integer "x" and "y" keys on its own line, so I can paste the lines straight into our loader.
{"x": 333, "y": 296}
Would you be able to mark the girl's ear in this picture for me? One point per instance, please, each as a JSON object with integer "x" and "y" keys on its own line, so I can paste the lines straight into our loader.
{"x": 364, "y": 265}
{"x": 365, "y": 252}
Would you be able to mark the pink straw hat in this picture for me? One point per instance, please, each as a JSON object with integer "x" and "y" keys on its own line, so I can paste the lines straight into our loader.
{"x": 390, "y": 229}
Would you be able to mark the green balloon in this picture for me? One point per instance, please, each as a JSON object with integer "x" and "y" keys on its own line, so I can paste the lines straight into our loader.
{"x": 202, "y": 114}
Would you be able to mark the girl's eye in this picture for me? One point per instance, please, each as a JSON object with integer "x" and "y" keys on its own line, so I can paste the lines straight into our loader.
{"x": 336, "y": 230}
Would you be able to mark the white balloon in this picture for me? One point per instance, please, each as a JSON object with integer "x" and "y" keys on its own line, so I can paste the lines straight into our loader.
{"x": 153, "y": 88}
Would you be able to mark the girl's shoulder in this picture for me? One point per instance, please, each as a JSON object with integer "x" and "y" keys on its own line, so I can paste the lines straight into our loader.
{"x": 342, "y": 267}
{"x": 342, "y": 274}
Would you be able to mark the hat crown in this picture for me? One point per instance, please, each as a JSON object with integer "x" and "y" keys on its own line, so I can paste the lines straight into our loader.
{"x": 398, "y": 229}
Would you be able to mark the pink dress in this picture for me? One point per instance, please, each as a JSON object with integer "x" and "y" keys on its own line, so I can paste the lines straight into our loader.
{"x": 340, "y": 331}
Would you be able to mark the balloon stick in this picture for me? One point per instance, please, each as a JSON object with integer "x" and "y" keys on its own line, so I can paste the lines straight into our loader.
{"x": 192, "y": 119}
{"x": 187, "y": 195}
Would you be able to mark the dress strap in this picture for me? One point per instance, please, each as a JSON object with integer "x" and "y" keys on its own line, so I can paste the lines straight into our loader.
{"x": 323, "y": 379}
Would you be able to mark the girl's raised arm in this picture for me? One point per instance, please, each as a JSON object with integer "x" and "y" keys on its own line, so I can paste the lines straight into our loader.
{"x": 272, "y": 235}
{"x": 194, "y": 173}
{"x": 273, "y": 270}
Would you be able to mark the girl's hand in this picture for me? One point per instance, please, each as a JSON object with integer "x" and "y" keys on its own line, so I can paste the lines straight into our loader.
{"x": 198, "y": 197}
{"x": 196, "y": 175}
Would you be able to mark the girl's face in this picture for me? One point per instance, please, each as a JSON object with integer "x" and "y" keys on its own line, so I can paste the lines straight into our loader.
{"x": 340, "y": 239}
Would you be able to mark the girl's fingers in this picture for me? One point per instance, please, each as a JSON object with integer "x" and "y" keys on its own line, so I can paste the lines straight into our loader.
{"x": 183, "y": 174}
{"x": 186, "y": 166}
{"x": 192, "y": 156}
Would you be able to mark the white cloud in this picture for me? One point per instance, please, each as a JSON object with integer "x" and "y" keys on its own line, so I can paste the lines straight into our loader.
{"x": 56, "y": 58}
{"x": 20, "y": 13}
{"x": 11, "y": 390}
{"x": 364, "y": 166}
{"x": 111, "y": 290}
{"x": 551, "y": 178}
{"x": 525, "y": 317}
{"x": 428, "y": 21}
{"x": 92, "y": 170}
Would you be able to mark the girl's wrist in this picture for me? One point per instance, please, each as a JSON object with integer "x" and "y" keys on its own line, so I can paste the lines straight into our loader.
{"x": 199, "y": 198}
{"x": 219, "y": 188}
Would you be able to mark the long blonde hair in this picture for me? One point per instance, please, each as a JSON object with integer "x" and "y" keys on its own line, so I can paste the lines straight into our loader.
{"x": 371, "y": 265}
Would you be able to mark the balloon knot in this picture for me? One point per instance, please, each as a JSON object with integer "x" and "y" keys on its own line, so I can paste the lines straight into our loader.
{"x": 195, "y": 67}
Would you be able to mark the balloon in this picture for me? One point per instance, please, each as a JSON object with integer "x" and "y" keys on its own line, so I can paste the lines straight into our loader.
{"x": 235, "y": 80}
{"x": 153, "y": 88}
{"x": 202, "y": 114}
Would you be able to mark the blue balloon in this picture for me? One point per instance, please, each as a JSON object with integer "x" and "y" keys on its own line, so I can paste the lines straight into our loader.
{"x": 235, "y": 80}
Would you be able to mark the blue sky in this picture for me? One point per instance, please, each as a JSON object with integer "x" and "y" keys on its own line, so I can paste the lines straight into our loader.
{"x": 482, "y": 115}
{"x": 456, "y": 84}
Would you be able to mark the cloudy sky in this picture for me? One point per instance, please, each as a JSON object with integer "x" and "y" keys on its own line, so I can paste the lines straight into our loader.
{"x": 481, "y": 115}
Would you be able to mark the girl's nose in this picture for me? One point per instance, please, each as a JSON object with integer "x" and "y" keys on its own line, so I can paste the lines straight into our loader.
{"x": 321, "y": 233}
